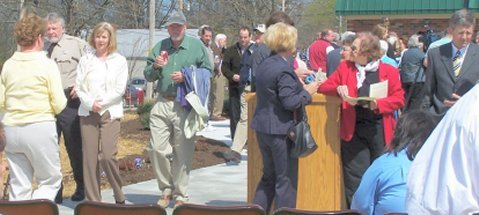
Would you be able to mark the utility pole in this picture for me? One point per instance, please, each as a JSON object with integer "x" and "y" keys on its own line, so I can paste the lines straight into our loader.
{"x": 283, "y": 5}
{"x": 180, "y": 6}
{"x": 151, "y": 41}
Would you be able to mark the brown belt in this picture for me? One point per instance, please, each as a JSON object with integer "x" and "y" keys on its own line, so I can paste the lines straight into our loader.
{"x": 169, "y": 98}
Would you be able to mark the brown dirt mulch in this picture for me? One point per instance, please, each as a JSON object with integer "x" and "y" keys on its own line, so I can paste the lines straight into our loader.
{"x": 133, "y": 141}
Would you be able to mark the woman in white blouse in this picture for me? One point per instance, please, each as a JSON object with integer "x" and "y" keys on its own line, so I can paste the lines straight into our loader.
{"x": 100, "y": 84}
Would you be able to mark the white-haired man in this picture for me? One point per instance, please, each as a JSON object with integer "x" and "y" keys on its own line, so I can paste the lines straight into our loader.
{"x": 66, "y": 51}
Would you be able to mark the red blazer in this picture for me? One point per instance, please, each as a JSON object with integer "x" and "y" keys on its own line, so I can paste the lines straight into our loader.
{"x": 346, "y": 75}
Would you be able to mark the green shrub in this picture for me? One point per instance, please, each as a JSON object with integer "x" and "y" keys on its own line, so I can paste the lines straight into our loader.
{"x": 143, "y": 111}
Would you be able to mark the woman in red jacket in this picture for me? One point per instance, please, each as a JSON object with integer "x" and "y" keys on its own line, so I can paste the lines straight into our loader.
{"x": 365, "y": 127}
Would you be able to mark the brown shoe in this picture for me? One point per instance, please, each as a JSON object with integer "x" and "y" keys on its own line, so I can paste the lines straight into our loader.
{"x": 179, "y": 202}
{"x": 164, "y": 201}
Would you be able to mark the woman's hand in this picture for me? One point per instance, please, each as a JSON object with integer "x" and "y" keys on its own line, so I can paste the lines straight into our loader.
{"x": 302, "y": 73}
{"x": 373, "y": 105}
{"x": 343, "y": 91}
{"x": 312, "y": 87}
{"x": 96, "y": 105}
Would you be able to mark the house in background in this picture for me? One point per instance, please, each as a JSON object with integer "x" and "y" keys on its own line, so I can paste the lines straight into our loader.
{"x": 406, "y": 17}
{"x": 133, "y": 44}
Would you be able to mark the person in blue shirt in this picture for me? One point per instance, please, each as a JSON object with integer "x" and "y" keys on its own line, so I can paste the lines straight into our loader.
{"x": 383, "y": 186}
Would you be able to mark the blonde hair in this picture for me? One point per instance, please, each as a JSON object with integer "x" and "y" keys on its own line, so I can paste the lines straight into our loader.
{"x": 99, "y": 29}
{"x": 281, "y": 37}
{"x": 28, "y": 28}
{"x": 380, "y": 30}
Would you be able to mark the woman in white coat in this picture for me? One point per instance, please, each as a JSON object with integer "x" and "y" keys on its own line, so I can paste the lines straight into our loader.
{"x": 100, "y": 84}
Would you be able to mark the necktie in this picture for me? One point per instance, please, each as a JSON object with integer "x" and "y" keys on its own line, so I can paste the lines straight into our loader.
{"x": 50, "y": 50}
{"x": 457, "y": 63}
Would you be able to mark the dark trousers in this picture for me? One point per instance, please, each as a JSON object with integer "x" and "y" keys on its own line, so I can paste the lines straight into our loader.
{"x": 235, "y": 108}
{"x": 68, "y": 123}
{"x": 280, "y": 173}
{"x": 359, "y": 153}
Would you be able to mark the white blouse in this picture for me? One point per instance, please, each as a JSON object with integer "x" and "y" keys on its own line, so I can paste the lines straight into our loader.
{"x": 104, "y": 80}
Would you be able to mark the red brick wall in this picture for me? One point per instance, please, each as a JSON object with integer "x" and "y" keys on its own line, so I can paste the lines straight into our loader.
{"x": 403, "y": 27}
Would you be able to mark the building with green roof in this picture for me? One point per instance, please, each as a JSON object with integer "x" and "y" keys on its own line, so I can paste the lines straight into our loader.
{"x": 406, "y": 17}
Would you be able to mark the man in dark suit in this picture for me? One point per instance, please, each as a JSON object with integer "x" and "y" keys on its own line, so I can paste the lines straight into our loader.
{"x": 453, "y": 68}
{"x": 231, "y": 70}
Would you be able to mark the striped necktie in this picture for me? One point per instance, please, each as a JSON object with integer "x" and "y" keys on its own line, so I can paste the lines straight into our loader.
{"x": 457, "y": 63}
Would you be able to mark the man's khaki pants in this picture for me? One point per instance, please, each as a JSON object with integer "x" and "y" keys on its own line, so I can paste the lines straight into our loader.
{"x": 241, "y": 133}
{"x": 170, "y": 152}
{"x": 217, "y": 95}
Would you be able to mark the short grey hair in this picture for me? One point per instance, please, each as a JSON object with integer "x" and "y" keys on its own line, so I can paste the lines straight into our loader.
{"x": 347, "y": 38}
{"x": 54, "y": 17}
{"x": 462, "y": 17}
{"x": 219, "y": 37}
{"x": 413, "y": 41}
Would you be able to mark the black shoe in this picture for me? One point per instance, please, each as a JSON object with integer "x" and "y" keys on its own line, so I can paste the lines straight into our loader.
{"x": 59, "y": 197}
{"x": 232, "y": 157}
{"x": 79, "y": 195}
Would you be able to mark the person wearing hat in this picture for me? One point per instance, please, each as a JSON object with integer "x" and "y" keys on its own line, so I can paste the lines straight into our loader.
{"x": 169, "y": 150}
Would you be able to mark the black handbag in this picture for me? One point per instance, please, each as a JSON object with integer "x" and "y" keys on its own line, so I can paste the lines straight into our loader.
{"x": 300, "y": 135}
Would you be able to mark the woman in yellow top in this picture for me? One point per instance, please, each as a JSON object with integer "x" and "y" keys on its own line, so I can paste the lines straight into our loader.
{"x": 31, "y": 94}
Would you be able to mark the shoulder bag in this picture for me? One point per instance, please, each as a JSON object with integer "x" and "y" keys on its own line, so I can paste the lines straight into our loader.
{"x": 300, "y": 135}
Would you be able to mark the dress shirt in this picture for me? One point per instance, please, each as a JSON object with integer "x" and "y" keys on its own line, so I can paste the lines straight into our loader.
{"x": 443, "y": 178}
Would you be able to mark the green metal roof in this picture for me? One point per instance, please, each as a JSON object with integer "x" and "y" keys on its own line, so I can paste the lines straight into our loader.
{"x": 401, "y": 7}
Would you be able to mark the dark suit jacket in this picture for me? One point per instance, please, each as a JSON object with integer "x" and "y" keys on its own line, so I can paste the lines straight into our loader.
{"x": 278, "y": 94}
{"x": 231, "y": 63}
{"x": 441, "y": 82}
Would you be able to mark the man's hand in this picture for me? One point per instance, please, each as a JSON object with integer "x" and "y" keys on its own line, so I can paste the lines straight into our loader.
{"x": 236, "y": 78}
{"x": 450, "y": 103}
{"x": 159, "y": 62}
{"x": 177, "y": 77}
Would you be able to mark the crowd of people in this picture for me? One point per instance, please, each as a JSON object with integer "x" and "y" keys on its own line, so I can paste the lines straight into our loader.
{"x": 394, "y": 157}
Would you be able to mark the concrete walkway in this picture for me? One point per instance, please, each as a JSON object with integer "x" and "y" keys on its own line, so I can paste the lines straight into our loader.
{"x": 215, "y": 185}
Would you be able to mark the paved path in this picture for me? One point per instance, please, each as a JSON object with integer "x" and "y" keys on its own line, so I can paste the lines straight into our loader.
{"x": 215, "y": 185}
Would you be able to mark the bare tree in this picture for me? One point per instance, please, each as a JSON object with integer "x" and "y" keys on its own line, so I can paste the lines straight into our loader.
{"x": 228, "y": 15}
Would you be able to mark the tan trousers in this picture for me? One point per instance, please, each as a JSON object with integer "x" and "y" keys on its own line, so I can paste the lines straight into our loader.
{"x": 170, "y": 152}
{"x": 99, "y": 141}
{"x": 241, "y": 133}
{"x": 217, "y": 94}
